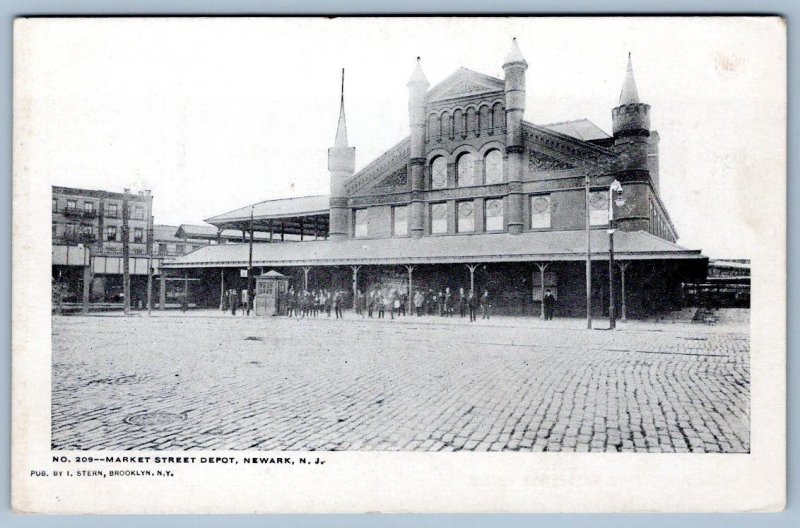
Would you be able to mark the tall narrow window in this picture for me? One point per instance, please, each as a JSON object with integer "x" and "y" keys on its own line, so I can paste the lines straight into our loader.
{"x": 162, "y": 249}
{"x": 138, "y": 234}
{"x": 494, "y": 215}
{"x": 111, "y": 233}
{"x": 361, "y": 226}
{"x": 494, "y": 167}
{"x": 498, "y": 118}
{"x": 438, "y": 218}
{"x": 55, "y": 205}
{"x": 88, "y": 207}
{"x": 466, "y": 217}
{"x": 458, "y": 123}
{"x": 111, "y": 210}
{"x": 439, "y": 173}
{"x": 400, "y": 214}
{"x": 540, "y": 211}
{"x": 138, "y": 213}
{"x": 466, "y": 170}
{"x": 598, "y": 208}
{"x": 72, "y": 205}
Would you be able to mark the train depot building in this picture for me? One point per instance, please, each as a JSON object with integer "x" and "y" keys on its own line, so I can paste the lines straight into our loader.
{"x": 476, "y": 197}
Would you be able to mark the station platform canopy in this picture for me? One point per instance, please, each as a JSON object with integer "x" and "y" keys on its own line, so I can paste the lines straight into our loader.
{"x": 304, "y": 216}
{"x": 527, "y": 247}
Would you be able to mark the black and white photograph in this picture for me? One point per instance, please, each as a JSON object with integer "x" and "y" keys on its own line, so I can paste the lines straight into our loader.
{"x": 278, "y": 241}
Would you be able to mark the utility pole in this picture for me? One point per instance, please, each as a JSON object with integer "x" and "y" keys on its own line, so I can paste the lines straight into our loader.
{"x": 150, "y": 259}
{"x": 587, "y": 183}
{"x": 250, "y": 267}
{"x": 126, "y": 274}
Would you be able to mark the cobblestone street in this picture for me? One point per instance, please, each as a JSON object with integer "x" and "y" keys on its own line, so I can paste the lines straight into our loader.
{"x": 218, "y": 382}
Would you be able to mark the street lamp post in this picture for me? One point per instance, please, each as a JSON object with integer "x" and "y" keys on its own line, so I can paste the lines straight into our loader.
{"x": 614, "y": 189}
{"x": 587, "y": 183}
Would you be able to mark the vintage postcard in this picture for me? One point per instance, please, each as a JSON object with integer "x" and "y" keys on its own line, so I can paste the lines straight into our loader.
{"x": 399, "y": 265}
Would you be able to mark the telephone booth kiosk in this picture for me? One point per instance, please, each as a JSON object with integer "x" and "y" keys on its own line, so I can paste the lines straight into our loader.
{"x": 270, "y": 288}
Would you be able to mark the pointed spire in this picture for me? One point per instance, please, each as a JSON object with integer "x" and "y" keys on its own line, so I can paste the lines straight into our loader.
{"x": 629, "y": 95}
{"x": 418, "y": 77}
{"x": 341, "y": 129}
{"x": 514, "y": 54}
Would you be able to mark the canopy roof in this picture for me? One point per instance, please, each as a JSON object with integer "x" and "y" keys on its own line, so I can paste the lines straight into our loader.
{"x": 531, "y": 246}
{"x": 301, "y": 215}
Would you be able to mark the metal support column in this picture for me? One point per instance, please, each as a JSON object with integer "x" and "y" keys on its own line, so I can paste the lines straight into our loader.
{"x": 541, "y": 267}
{"x": 162, "y": 289}
{"x": 222, "y": 288}
{"x": 472, "y": 268}
{"x": 355, "y": 284}
{"x": 410, "y": 303}
{"x": 623, "y": 266}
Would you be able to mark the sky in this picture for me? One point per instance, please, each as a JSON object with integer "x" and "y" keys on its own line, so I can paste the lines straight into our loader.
{"x": 214, "y": 114}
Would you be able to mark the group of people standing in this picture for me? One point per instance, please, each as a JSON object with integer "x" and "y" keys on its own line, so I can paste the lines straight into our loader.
{"x": 443, "y": 303}
{"x": 305, "y": 303}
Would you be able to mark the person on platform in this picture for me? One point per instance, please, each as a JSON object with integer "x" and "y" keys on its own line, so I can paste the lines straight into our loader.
{"x": 328, "y": 300}
{"x": 486, "y": 305}
{"x": 430, "y": 301}
{"x": 440, "y": 303}
{"x": 472, "y": 304}
{"x": 290, "y": 303}
{"x": 448, "y": 302}
{"x": 462, "y": 302}
{"x": 382, "y": 302}
{"x": 371, "y": 303}
{"x": 419, "y": 302}
{"x": 359, "y": 303}
{"x": 233, "y": 301}
{"x": 304, "y": 303}
{"x": 549, "y": 305}
{"x": 337, "y": 305}
{"x": 394, "y": 304}
{"x": 403, "y": 303}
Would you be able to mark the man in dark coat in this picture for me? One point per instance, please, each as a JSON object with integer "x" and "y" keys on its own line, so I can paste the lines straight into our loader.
{"x": 549, "y": 305}
{"x": 233, "y": 301}
{"x": 472, "y": 304}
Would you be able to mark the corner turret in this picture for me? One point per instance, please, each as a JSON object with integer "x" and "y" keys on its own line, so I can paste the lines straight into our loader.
{"x": 341, "y": 165}
{"x": 417, "y": 91}
{"x": 514, "y": 67}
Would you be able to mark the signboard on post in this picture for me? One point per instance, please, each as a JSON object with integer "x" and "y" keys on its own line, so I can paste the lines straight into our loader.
{"x": 243, "y": 273}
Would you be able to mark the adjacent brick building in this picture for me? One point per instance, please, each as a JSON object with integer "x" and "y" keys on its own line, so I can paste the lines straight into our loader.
{"x": 87, "y": 244}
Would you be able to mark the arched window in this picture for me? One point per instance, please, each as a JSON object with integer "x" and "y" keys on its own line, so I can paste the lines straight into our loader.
{"x": 446, "y": 131}
{"x": 494, "y": 166}
{"x": 472, "y": 121}
{"x": 439, "y": 173}
{"x": 498, "y": 118}
{"x": 485, "y": 119}
{"x": 458, "y": 123}
{"x": 466, "y": 170}
{"x": 431, "y": 129}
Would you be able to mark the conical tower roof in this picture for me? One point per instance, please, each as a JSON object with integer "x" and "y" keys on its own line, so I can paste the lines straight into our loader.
{"x": 629, "y": 95}
{"x": 418, "y": 77}
{"x": 341, "y": 129}
{"x": 514, "y": 54}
